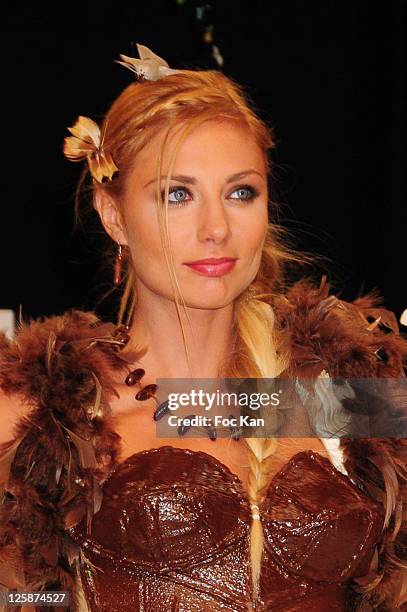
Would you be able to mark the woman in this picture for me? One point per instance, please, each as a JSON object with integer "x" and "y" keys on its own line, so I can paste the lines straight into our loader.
{"x": 95, "y": 502}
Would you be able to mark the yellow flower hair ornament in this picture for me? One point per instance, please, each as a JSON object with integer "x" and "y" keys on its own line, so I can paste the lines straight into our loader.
{"x": 86, "y": 143}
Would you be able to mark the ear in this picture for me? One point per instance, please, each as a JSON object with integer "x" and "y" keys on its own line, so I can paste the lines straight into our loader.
{"x": 110, "y": 216}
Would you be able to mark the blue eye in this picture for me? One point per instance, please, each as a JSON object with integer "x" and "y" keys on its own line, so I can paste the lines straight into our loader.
{"x": 247, "y": 193}
{"x": 177, "y": 191}
{"x": 250, "y": 191}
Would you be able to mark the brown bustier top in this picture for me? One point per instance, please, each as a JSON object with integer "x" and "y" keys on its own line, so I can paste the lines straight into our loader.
{"x": 173, "y": 534}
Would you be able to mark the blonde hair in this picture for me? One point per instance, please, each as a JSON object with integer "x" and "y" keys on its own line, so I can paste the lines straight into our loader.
{"x": 187, "y": 99}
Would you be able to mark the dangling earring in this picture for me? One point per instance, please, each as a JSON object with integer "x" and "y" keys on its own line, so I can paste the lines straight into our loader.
{"x": 118, "y": 265}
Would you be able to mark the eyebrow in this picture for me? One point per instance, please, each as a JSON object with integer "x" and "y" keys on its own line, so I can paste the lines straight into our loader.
{"x": 192, "y": 181}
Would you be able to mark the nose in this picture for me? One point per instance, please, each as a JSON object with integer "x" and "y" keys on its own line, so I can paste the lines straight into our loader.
{"x": 213, "y": 223}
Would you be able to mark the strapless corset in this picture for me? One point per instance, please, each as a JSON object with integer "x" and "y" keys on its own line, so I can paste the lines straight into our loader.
{"x": 173, "y": 534}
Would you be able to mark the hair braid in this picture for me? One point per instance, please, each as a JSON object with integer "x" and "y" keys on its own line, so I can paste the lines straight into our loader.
{"x": 262, "y": 354}
{"x": 261, "y": 451}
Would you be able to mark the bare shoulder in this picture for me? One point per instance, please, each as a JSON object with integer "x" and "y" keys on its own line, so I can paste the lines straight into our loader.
{"x": 12, "y": 409}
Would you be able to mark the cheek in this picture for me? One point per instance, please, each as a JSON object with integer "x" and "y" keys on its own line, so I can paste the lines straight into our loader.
{"x": 143, "y": 239}
{"x": 252, "y": 233}
{"x": 183, "y": 227}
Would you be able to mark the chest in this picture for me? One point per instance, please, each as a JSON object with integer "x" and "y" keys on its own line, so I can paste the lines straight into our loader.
{"x": 134, "y": 422}
{"x": 174, "y": 527}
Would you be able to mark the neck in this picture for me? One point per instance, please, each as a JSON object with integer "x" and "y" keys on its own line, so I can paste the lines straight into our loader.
{"x": 156, "y": 327}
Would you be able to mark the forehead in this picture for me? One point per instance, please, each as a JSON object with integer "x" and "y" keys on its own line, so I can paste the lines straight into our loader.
{"x": 212, "y": 146}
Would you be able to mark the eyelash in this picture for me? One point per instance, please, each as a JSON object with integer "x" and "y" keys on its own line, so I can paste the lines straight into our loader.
{"x": 254, "y": 194}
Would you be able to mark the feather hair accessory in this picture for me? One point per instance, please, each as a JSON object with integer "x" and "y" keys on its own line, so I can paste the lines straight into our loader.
{"x": 86, "y": 143}
{"x": 150, "y": 66}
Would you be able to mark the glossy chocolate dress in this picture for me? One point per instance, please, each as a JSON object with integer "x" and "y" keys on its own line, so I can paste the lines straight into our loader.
{"x": 172, "y": 534}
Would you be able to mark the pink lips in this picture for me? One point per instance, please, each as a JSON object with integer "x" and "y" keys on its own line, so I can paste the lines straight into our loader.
{"x": 212, "y": 266}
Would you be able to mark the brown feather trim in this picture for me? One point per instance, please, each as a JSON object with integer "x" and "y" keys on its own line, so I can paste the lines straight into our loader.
{"x": 359, "y": 339}
{"x": 328, "y": 333}
{"x": 379, "y": 467}
{"x": 52, "y": 472}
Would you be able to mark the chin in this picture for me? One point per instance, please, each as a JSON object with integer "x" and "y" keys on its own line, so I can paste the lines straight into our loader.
{"x": 207, "y": 302}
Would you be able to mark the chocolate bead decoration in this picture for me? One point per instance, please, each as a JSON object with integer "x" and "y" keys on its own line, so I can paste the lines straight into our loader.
{"x": 122, "y": 336}
{"x": 161, "y": 410}
{"x": 183, "y": 428}
{"x": 211, "y": 432}
{"x": 120, "y": 329}
{"x": 147, "y": 392}
{"x": 135, "y": 376}
{"x": 235, "y": 431}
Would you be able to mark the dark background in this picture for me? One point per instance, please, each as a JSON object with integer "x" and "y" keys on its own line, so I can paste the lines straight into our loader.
{"x": 330, "y": 76}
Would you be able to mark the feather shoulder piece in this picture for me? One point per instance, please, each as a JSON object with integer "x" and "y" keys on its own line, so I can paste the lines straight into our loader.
{"x": 63, "y": 448}
{"x": 361, "y": 340}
